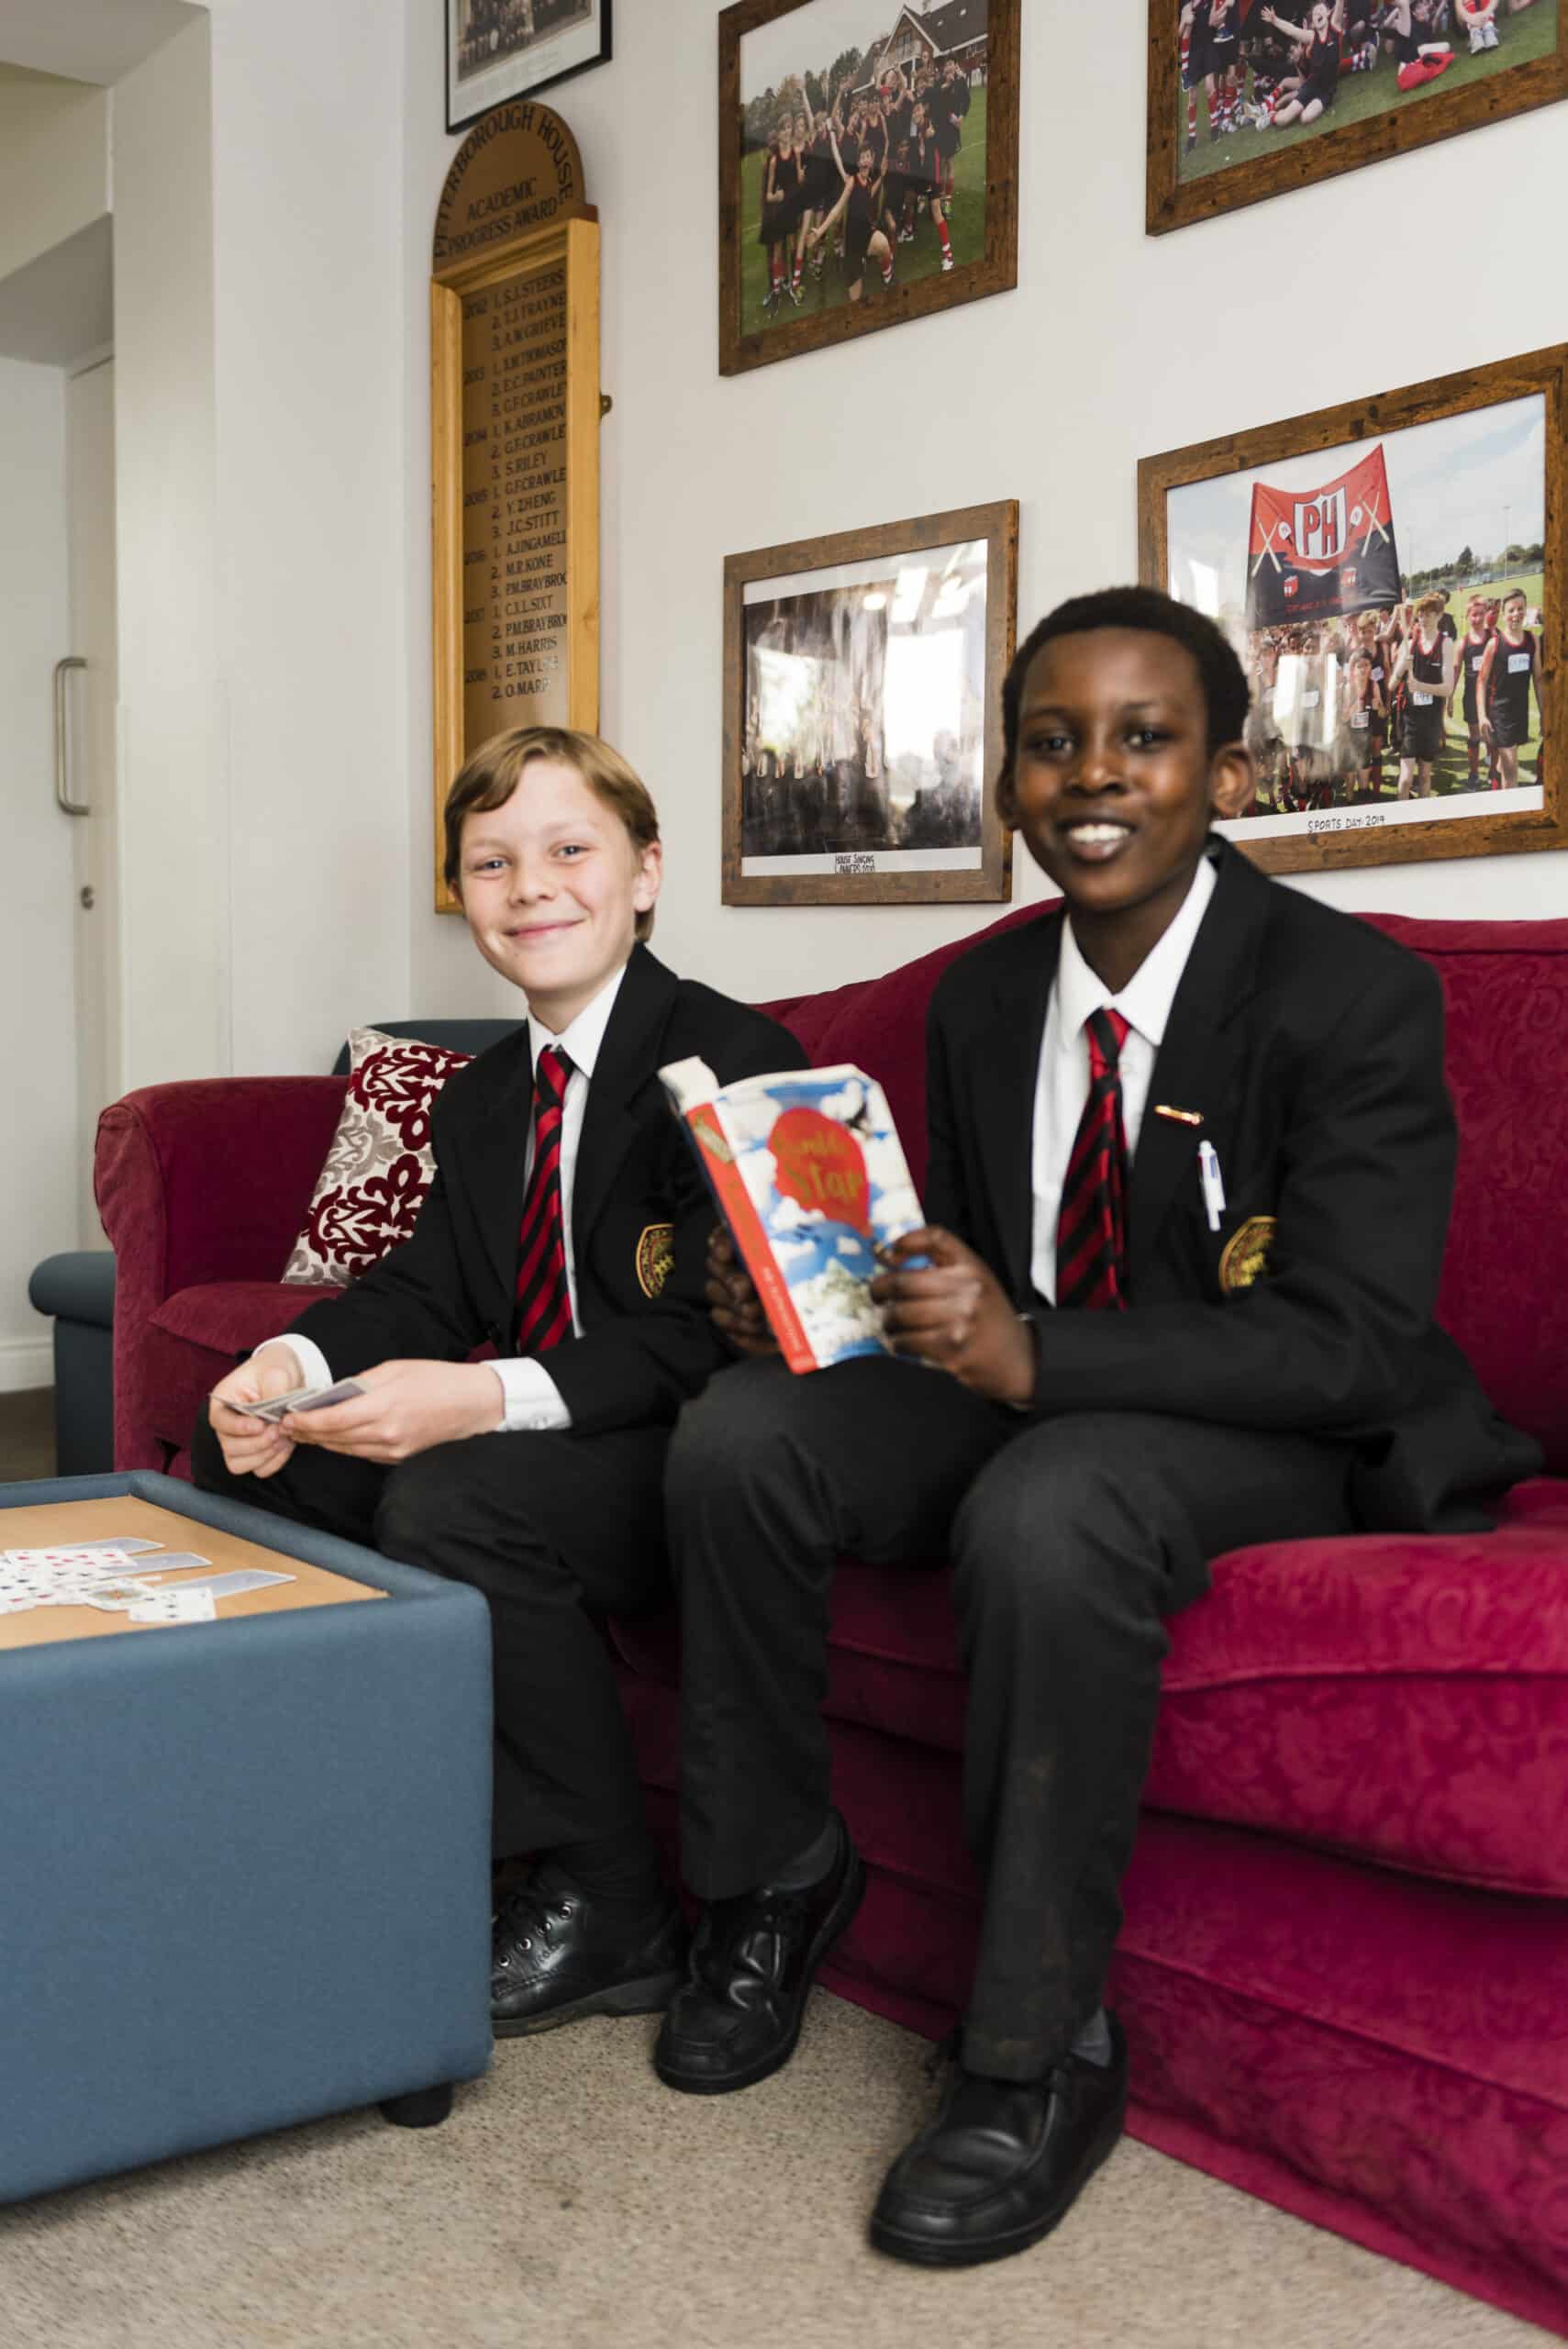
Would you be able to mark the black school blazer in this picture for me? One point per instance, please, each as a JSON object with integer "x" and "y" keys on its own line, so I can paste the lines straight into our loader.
{"x": 640, "y": 1214}
{"x": 1313, "y": 1047}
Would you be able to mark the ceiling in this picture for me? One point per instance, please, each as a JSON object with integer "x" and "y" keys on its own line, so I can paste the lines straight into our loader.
{"x": 88, "y": 40}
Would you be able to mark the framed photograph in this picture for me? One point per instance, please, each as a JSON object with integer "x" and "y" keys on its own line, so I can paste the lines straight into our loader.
{"x": 1392, "y": 574}
{"x": 505, "y": 49}
{"x": 868, "y": 158}
{"x": 1250, "y": 97}
{"x": 862, "y": 714}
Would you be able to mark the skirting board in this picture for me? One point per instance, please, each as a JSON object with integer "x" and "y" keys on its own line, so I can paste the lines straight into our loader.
{"x": 26, "y": 1362}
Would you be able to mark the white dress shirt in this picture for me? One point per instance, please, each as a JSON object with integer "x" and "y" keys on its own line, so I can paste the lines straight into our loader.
{"x": 530, "y": 1397}
{"x": 1062, "y": 1085}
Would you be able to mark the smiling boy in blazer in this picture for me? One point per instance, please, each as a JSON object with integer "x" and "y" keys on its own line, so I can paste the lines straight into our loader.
{"x": 565, "y": 1226}
{"x": 1191, "y": 1162}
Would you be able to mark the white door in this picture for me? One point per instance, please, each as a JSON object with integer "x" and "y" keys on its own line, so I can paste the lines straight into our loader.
{"x": 90, "y": 700}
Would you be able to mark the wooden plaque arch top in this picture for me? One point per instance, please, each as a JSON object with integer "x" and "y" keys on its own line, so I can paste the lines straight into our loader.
{"x": 517, "y": 171}
{"x": 514, "y": 442}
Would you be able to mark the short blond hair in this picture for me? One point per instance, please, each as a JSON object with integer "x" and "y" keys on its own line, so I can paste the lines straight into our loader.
{"x": 488, "y": 779}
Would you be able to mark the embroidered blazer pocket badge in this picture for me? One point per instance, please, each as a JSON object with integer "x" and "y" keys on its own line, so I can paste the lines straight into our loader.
{"x": 1246, "y": 1253}
{"x": 655, "y": 1257}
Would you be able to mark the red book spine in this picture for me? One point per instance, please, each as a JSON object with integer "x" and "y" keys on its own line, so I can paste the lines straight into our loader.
{"x": 746, "y": 1229}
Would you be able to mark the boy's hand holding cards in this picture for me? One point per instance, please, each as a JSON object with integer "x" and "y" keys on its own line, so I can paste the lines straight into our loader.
{"x": 299, "y": 1398}
{"x": 254, "y": 1444}
{"x": 396, "y": 1409}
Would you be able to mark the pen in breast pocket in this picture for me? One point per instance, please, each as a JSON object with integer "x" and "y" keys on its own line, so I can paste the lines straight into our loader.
{"x": 1213, "y": 1183}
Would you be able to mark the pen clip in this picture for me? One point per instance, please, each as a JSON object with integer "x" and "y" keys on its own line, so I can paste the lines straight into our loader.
{"x": 1213, "y": 1183}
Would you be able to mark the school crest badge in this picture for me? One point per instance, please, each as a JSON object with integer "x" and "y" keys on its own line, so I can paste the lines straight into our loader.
{"x": 1246, "y": 1253}
{"x": 655, "y": 1257}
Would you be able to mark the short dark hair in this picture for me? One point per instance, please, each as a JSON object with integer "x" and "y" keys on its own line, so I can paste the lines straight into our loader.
{"x": 1226, "y": 693}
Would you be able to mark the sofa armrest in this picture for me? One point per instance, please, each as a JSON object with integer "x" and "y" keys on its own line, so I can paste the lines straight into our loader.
{"x": 198, "y": 1182}
{"x": 210, "y": 1180}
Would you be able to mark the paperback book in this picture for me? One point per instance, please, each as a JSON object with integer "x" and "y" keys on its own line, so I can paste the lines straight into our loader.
{"x": 810, "y": 1176}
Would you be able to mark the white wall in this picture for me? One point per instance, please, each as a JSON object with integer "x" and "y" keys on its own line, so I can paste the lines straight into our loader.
{"x": 1115, "y": 345}
{"x": 173, "y": 783}
{"x": 310, "y": 329}
{"x": 37, "y": 1172}
{"x": 260, "y": 329}
{"x": 54, "y": 163}
{"x": 274, "y": 193}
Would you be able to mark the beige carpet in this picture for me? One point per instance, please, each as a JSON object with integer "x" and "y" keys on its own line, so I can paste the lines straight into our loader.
{"x": 572, "y": 2200}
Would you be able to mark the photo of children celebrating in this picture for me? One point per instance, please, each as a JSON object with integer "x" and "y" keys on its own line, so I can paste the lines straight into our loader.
{"x": 873, "y": 162}
{"x": 1237, "y": 86}
{"x": 1261, "y": 71}
{"x": 1387, "y": 599}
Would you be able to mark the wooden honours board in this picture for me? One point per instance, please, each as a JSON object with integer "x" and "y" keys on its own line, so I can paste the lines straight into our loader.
{"x": 515, "y": 411}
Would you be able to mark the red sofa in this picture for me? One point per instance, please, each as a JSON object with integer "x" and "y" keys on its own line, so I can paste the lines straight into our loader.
{"x": 1344, "y": 1970}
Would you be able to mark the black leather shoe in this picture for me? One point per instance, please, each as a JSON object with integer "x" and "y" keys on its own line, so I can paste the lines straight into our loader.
{"x": 1002, "y": 2163}
{"x": 555, "y": 1954}
{"x": 737, "y": 2016}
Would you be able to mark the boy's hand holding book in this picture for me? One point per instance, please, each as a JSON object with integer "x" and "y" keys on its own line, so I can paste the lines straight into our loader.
{"x": 733, "y": 1299}
{"x": 948, "y": 1308}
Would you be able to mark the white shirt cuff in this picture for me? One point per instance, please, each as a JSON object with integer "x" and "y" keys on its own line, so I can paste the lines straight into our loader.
{"x": 530, "y": 1397}
{"x": 313, "y": 1367}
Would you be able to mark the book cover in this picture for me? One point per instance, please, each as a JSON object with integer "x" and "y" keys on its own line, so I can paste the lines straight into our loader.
{"x": 810, "y": 1176}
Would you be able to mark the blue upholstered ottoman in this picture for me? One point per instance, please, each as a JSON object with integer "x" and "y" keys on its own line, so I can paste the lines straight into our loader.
{"x": 244, "y": 1867}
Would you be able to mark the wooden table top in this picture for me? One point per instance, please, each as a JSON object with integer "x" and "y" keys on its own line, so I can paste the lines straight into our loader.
{"x": 56, "y": 1524}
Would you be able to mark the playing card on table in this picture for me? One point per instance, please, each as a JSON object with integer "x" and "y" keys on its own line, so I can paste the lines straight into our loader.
{"x": 86, "y": 1556}
{"x": 58, "y": 1578}
{"x": 128, "y": 1544}
{"x": 117, "y": 1597}
{"x": 176, "y": 1606}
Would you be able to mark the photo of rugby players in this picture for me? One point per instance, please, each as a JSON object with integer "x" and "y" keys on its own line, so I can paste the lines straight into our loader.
{"x": 1388, "y": 598}
{"x": 863, "y": 152}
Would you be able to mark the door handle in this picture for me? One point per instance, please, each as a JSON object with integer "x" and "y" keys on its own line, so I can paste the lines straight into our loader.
{"x": 61, "y": 783}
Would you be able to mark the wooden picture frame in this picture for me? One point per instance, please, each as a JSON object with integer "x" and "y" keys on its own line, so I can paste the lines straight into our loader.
{"x": 981, "y": 228}
{"x": 1477, "y": 88}
{"x": 862, "y": 714}
{"x": 536, "y": 59}
{"x": 1493, "y": 437}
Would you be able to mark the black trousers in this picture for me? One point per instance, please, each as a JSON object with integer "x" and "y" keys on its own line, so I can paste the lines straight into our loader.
{"x": 1072, "y": 1539}
{"x": 556, "y": 1530}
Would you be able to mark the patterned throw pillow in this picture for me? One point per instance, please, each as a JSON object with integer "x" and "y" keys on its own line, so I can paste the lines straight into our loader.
{"x": 380, "y": 1166}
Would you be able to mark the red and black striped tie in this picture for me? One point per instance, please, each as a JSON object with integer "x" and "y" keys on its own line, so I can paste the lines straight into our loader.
{"x": 544, "y": 1301}
{"x": 1091, "y": 1229}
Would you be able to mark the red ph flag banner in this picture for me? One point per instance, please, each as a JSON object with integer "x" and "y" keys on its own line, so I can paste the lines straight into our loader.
{"x": 1314, "y": 553}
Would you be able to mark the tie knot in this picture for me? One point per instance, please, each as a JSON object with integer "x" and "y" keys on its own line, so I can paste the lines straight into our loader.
{"x": 1108, "y": 1034}
{"x": 551, "y": 1074}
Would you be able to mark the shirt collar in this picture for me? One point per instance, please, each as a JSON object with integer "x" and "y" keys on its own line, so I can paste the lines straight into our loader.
{"x": 582, "y": 1039}
{"x": 1145, "y": 1001}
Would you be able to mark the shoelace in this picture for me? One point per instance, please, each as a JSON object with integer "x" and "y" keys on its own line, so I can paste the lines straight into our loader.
{"x": 535, "y": 1913}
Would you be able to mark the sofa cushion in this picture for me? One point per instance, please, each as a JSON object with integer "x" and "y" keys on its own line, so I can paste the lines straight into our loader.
{"x": 197, "y": 1335}
{"x": 1403, "y": 1697}
{"x": 1505, "y": 993}
{"x": 380, "y": 1165}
